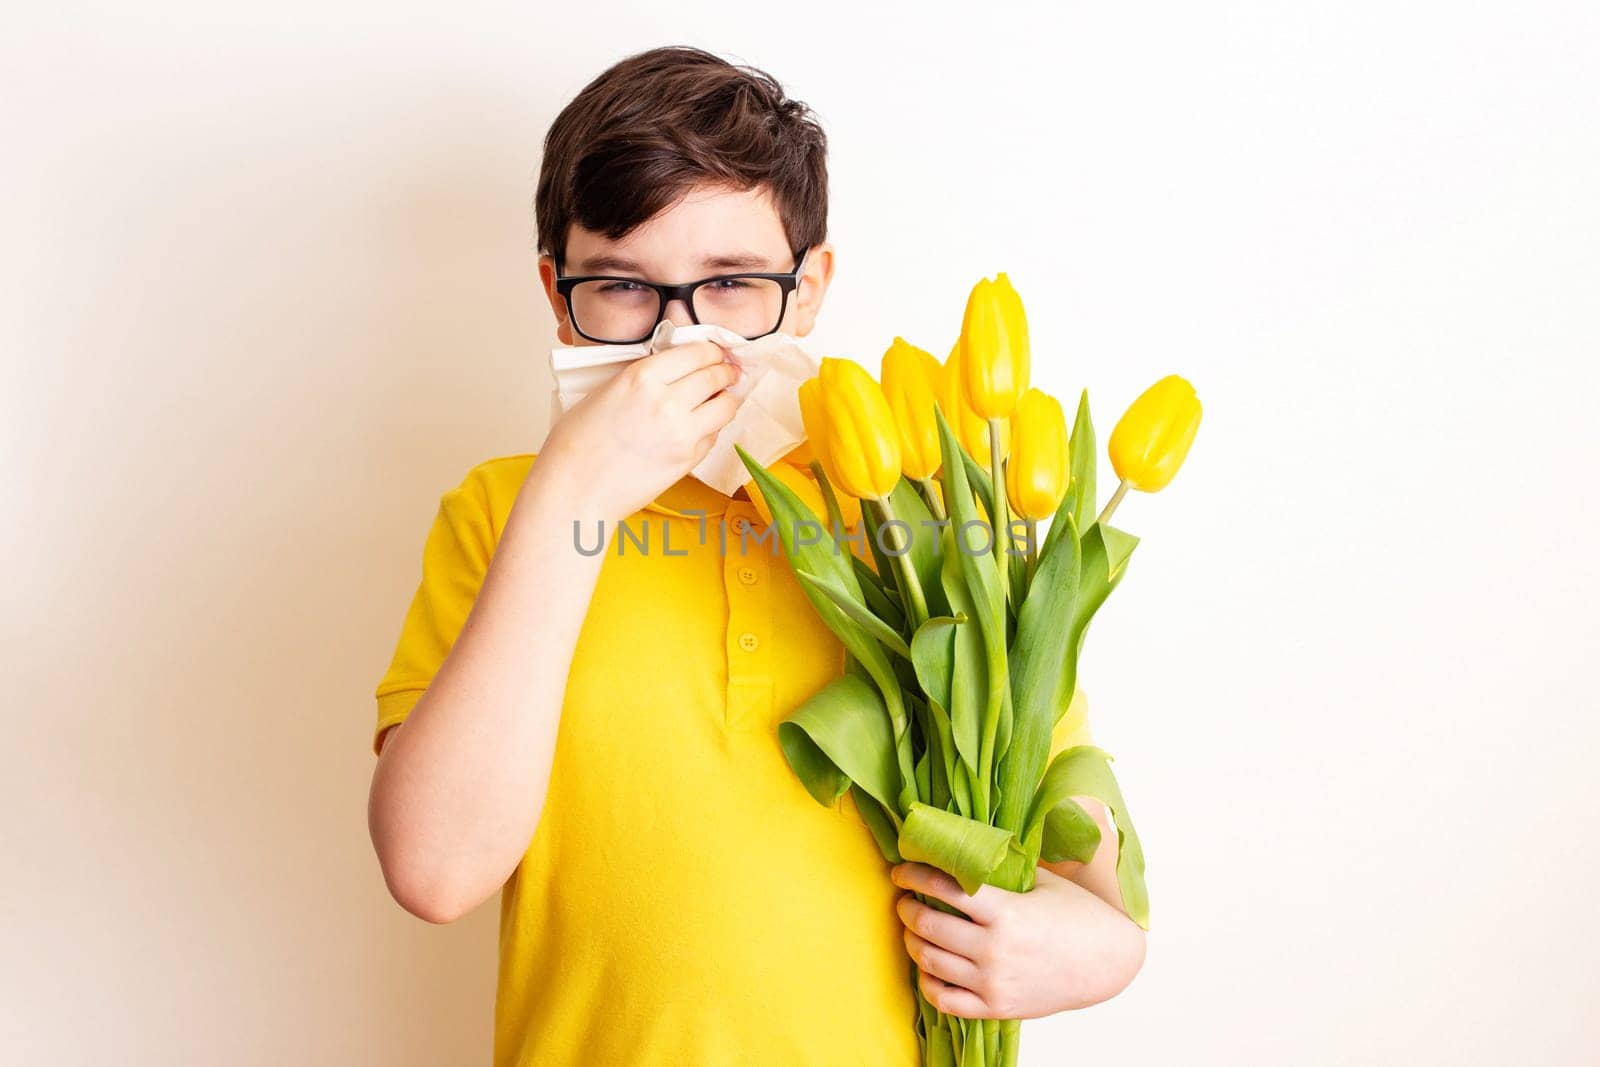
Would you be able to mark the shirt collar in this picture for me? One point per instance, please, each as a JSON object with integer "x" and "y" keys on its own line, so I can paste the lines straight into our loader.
{"x": 690, "y": 496}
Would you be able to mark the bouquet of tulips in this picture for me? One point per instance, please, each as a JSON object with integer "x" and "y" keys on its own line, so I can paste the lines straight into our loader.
{"x": 963, "y": 627}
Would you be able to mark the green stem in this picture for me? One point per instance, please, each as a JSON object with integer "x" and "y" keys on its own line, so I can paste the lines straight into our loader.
{"x": 1033, "y": 548}
{"x": 1111, "y": 505}
{"x": 931, "y": 496}
{"x": 835, "y": 516}
{"x": 1001, "y": 516}
{"x": 1010, "y": 1041}
{"x": 904, "y": 571}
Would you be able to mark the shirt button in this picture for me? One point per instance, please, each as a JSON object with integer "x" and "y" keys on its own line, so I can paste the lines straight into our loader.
{"x": 741, "y": 524}
{"x": 747, "y": 575}
{"x": 749, "y": 642}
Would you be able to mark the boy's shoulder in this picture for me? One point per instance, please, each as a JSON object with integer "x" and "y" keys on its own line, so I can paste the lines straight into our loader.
{"x": 491, "y": 486}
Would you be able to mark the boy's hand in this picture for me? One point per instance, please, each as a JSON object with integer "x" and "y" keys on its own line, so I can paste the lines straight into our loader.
{"x": 1019, "y": 955}
{"x": 645, "y": 428}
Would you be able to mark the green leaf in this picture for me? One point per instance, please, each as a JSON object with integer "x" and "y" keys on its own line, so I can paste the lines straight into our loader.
{"x": 978, "y": 480}
{"x": 1083, "y": 459}
{"x": 789, "y": 514}
{"x": 1085, "y": 770}
{"x": 858, "y": 611}
{"x": 1038, "y": 651}
{"x": 872, "y": 592}
{"x": 878, "y": 823}
{"x": 1070, "y": 833}
{"x": 987, "y": 605}
{"x": 839, "y": 735}
{"x": 967, "y": 850}
{"x": 1105, "y": 551}
{"x": 824, "y": 558}
{"x": 969, "y": 670}
{"x": 933, "y": 652}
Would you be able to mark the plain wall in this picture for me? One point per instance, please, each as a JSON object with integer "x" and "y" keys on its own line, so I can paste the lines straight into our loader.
{"x": 272, "y": 290}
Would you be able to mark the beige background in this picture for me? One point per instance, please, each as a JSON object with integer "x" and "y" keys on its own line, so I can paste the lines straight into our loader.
{"x": 271, "y": 291}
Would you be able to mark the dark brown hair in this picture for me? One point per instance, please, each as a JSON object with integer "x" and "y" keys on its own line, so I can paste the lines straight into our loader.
{"x": 637, "y": 137}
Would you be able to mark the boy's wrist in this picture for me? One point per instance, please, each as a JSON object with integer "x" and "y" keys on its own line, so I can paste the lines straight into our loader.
{"x": 568, "y": 490}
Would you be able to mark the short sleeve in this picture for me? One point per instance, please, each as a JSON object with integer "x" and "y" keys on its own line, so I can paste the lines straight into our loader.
{"x": 455, "y": 558}
{"x": 1073, "y": 726}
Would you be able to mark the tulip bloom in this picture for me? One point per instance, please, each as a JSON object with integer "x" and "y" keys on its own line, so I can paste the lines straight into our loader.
{"x": 910, "y": 383}
{"x": 815, "y": 450}
{"x": 971, "y": 430}
{"x": 994, "y": 348}
{"x": 815, "y": 420}
{"x": 860, "y": 443}
{"x": 1038, "y": 470}
{"x": 1153, "y": 437}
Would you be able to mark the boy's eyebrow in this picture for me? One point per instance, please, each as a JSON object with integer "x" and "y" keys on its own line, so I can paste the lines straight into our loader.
{"x": 727, "y": 261}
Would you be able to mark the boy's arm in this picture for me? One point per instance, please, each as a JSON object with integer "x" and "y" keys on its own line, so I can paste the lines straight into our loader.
{"x": 450, "y": 814}
{"x": 460, "y": 784}
{"x": 1099, "y": 875}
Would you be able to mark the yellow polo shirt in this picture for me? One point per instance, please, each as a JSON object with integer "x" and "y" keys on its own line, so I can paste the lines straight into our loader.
{"x": 684, "y": 901}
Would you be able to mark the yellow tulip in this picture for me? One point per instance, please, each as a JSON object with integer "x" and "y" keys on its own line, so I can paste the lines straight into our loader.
{"x": 1153, "y": 436}
{"x": 994, "y": 348}
{"x": 1038, "y": 470}
{"x": 910, "y": 377}
{"x": 800, "y": 455}
{"x": 815, "y": 420}
{"x": 970, "y": 430}
{"x": 814, "y": 447}
{"x": 861, "y": 444}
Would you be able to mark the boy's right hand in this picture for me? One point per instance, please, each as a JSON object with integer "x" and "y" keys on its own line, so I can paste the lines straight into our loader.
{"x": 648, "y": 426}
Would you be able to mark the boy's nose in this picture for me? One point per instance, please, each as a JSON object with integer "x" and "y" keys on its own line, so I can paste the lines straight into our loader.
{"x": 678, "y": 313}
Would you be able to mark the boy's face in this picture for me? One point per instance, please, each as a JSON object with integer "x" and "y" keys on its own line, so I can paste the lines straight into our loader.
{"x": 712, "y": 230}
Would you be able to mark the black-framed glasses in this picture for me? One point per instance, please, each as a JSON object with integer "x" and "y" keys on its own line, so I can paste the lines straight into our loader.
{"x": 614, "y": 310}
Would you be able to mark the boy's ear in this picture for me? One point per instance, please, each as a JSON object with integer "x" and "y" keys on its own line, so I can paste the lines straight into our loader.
{"x": 558, "y": 307}
{"x": 813, "y": 287}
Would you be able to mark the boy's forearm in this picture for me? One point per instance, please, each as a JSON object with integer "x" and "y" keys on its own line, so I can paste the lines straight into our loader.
{"x": 459, "y": 787}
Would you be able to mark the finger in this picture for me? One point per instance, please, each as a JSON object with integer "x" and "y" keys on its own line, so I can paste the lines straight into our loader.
{"x": 941, "y": 961}
{"x": 981, "y": 906}
{"x": 952, "y": 932}
{"x": 673, "y": 363}
{"x": 714, "y": 414}
{"x": 695, "y": 387}
{"x": 953, "y": 999}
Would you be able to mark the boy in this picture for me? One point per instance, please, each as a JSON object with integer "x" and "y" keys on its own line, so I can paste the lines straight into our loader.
{"x": 594, "y": 734}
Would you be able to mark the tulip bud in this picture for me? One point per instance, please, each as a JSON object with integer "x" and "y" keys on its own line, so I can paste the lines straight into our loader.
{"x": 970, "y": 430}
{"x": 910, "y": 377}
{"x": 1153, "y": 436}
{"x": 994, "y": 348}
{"x": 1038, "y": 470}
{"x": 861, "y": 443}
{"x": 815, "y": 420}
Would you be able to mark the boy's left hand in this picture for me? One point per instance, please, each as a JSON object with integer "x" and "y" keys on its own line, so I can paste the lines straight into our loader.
{"x": 1018, "y": 955}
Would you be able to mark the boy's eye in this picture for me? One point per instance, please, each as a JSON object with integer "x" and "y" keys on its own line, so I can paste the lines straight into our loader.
{"x": 620, "y": 287}
{"x": 726, "y": 284}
